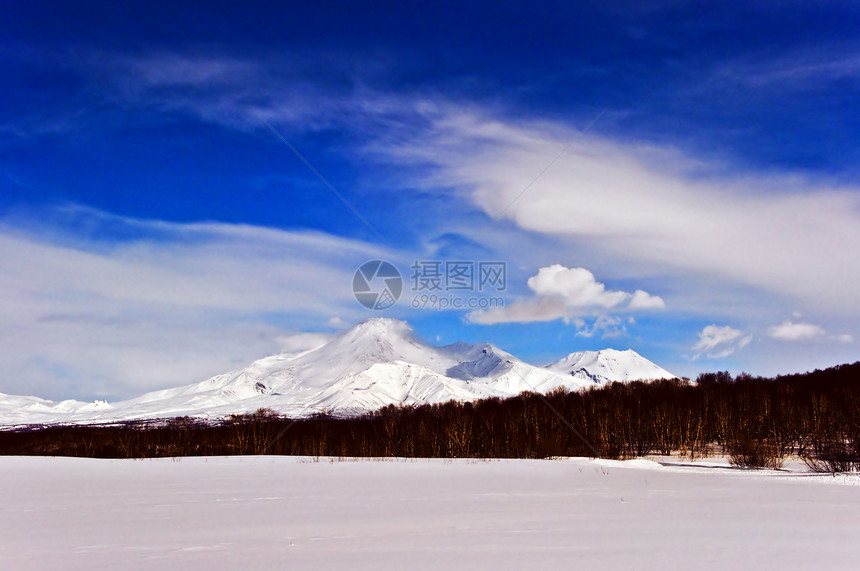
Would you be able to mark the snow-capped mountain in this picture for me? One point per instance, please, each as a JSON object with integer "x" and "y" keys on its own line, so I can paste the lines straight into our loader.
{"x": 609, "y": 365}
{"x": 377, "y": 363}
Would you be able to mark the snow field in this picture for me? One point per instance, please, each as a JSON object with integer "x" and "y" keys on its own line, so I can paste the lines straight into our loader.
{"x": 288, "y": 512}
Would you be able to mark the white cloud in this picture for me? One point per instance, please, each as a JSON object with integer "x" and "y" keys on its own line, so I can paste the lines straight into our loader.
{"x": 637, "y": 208}
{"x": 609, "y": 327}
{"x": 789, "y": 331}
{"x": 845, "y": 338}
{"x": 721, "y": 242}
{"x": 575, "y": 286}
{"x": 301, "y": 342}
{"x": 565, "y": 293}
{"x": 800, "y": 69}
{"x": 176, "y": 70}
{"x": 640, "y": 209}
{"x": 86, "y": 318}
{"x": 242, "y": 93}
{"x": 644, "y": 300}
{"x": 650, "y": 210}
{"x": 717, "y": 341}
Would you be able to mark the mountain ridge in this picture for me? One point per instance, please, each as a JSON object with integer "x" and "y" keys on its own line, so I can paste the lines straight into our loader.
{"x": 376, "y": 363}
{"x": 604, "y": 366}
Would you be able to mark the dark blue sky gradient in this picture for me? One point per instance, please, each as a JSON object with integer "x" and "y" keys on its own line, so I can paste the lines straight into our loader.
{"x": 762, "y": 87}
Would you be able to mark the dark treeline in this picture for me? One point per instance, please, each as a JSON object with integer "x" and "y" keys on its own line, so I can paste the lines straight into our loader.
{"x": 757, "y": 421}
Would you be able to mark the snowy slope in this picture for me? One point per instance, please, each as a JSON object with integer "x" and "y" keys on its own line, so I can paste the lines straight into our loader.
{"x": 609, "y": 365}
{"x": 377, "y": 363}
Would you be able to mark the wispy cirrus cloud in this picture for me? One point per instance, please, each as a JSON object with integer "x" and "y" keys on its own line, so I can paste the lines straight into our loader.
{"x": 715, "y": 240}
{"x": 654, "y": 207}
{"x": 607, "y": 326}
{"x": 245, "y": 93}
{"x": 160, "y": 304}
{"x": 718, "y": 341}
{"x": 763, "y": 239}
{"x": 802, "y": 68}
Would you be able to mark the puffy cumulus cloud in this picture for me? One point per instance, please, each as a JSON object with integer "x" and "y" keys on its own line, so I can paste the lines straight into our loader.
{"x": 576, "y": 286}
{"x": 565, "y": 293}
{"x": 717, "y": 341}
{"x": 790, "y": 331}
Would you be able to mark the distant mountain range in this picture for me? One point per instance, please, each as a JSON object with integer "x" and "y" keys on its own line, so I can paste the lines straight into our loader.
{"x": 376, "y": 363}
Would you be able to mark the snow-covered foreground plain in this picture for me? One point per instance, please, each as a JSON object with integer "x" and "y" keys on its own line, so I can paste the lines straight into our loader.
{"x": 287, "y": 512}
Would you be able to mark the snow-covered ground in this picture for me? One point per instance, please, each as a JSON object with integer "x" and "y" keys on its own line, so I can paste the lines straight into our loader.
{"x": 286, "y": 512}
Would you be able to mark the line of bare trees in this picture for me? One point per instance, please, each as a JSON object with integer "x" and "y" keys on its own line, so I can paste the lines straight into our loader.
{"x": 758, "y": 422}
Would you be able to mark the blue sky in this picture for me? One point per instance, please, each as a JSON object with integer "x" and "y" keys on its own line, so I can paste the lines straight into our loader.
{"x": 680, "y": 179}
